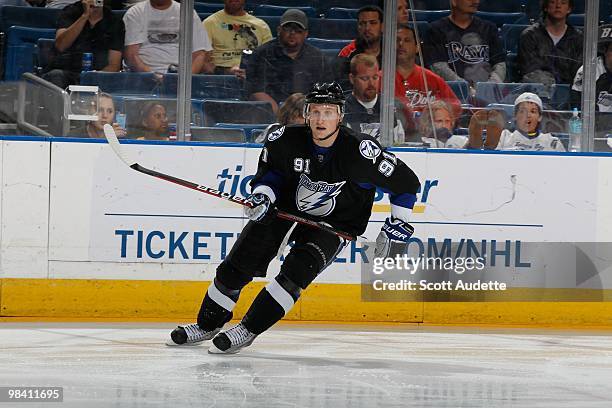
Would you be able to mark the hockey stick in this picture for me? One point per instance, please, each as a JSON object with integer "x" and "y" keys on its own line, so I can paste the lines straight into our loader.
{"x": 109, "y": 132}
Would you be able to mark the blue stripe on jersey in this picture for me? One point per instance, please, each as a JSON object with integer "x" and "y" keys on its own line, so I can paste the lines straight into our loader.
{"x": 272, "y": 179}
{"x": 367, "y": 186}
{"x": 405, "y": 200}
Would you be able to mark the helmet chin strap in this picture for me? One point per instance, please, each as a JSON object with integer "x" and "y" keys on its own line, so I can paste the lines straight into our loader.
{"x": 328, "y": 136}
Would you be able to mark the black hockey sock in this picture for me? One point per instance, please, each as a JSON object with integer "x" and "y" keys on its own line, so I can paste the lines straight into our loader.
{"x": 271, "y": 304}
{"x": 217, "y": 306}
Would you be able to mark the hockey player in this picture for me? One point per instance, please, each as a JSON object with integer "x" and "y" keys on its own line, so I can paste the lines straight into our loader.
{"x": 323, "y": 171}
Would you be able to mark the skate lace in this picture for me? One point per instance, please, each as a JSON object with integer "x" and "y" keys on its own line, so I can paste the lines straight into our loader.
{"x": 194, "y": 333}
{"x": 239, "y": 334}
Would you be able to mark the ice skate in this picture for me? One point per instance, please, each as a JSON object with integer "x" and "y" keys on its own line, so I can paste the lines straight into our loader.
{"x": 232, "y": 340}
{"x": 190, "y": 335}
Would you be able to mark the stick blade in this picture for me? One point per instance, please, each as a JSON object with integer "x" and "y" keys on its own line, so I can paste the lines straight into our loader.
{"x": 111, "y": 137}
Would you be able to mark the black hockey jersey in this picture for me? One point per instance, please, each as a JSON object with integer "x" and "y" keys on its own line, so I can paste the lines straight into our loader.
{"x": 336, "y": 187}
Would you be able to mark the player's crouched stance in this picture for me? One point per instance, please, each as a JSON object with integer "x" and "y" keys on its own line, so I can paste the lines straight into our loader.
{"x": 321, "y": 171}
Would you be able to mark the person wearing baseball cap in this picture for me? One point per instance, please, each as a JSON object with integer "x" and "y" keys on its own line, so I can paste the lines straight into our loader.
{"x": 287, "y": 64}
{"x": 527, "y": 136}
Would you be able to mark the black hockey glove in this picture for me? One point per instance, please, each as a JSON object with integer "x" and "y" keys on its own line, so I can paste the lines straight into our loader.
{"x": 393, "y": 237}
{"x": 262, "y": 210}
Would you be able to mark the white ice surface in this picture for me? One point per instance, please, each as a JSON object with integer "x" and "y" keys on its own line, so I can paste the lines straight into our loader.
{"x": 128, "y": 365}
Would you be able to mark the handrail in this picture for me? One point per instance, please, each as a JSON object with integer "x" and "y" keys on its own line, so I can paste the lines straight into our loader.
{"x": 21, "y": 122}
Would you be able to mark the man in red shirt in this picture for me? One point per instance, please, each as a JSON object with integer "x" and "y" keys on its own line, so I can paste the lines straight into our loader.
{"x": 410, "y": 78}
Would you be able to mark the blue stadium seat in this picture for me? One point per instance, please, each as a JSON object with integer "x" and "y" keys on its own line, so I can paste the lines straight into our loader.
{"x": 511, "y": 34}
{"x": 326, "y": 44}
{"x": 576, "y": 19}
{"x": 342, "y": 13}
{"x": 204, "y": 16}
{"x": 423, "y": 29}
{"x": 273, "y": 10}
{"x": 123, "y": 83}
{"x": 490, "y": 92}
{"x": 325, "y": 5}
{"x": 251, "y": 4}
{"x": 219, "y": 111}
{"x": 273, "y": 22}
{"x": 133, "y": 105}
{"x": 505, "y": 6}
{"x": 205, "y": 86}
{"x": 500, "y": 19}
{"x": 21, "y": 49}
{"x": 248, "y": 128}
{"x": 432, "y": 5}
{"x": 560, "y": 97}
{"x": 44, "y": 51}
{"x": 28, "y": 17}
{"x": 217, "y": 134}
{"x": 429, "y": 15}
{"x": 461, "y": 90}
{"x": 207, "y": 7}
{"x": 119, "y": 13}
{"x": 512, "y": 74}
{"x": 333, "y": 28}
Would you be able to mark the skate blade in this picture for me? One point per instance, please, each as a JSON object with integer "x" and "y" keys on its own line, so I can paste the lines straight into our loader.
{"x": 215, "y": 350}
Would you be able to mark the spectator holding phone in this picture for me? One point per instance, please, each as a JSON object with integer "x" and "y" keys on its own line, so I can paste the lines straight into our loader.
{"x": 86, "y": 26}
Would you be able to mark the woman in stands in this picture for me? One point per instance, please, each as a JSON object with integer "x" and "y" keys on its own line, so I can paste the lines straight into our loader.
{"x": 291, "y": 112}
{"x": 153, "y": 123}
{"x": 442, "y": 120}
{"x": 106, "y": 115}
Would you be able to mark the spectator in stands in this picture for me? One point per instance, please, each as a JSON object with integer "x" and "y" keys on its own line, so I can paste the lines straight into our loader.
{"x": 153, "y": 124}
{"x": 291, "y": 112}
{"x": 106, "y": 115}
{"x": 152, "y": 38}
{"x": 287, "y": 64}
{"x": 603, "y": 74}
{"x": 368, "y": 41}
{"x": 402, "y": 12}
{"x": 411, "y": 79}
{"x": 527, "y": 136}
{"x": 465, "y": 47}
{"x": 362, "y": 106}
{"x": 550, "y": 51}
{"x": 231, "y": 31}
{"x": 436, "y": 127}
{"x": 83, "y": 27}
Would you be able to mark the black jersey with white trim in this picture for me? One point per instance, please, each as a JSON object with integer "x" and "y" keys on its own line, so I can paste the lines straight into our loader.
{"x": 337, "y": 186}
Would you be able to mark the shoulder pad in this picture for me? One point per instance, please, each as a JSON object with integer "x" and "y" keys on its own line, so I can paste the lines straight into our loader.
{"x": 369, "y": 149}
{"x": 275, "y": 134}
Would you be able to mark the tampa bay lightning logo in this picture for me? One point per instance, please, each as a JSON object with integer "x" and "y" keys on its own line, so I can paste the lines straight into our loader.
{"x": 276, "y": 134}
{"x": 369, "y": 150}
{"x": 317, "y": 198}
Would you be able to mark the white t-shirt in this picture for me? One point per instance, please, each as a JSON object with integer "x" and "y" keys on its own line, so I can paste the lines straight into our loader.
{"x": 517, "y": 141}
{"x": 453, "y": 142}
{"x": 157, "y": 32}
